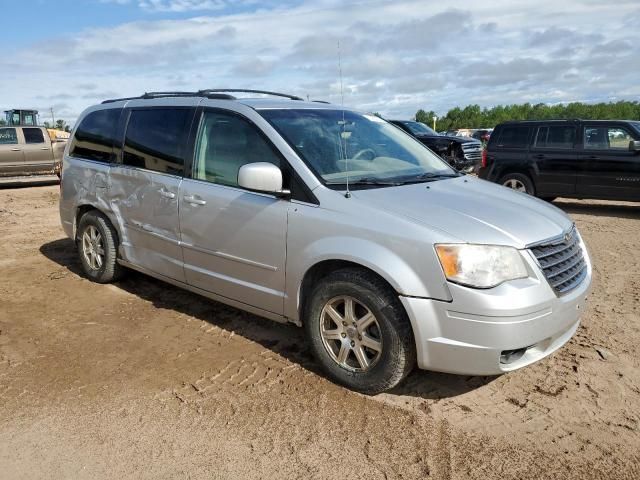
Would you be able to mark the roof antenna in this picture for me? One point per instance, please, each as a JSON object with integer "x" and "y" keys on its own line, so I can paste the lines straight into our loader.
{"x": 343, "y": 135}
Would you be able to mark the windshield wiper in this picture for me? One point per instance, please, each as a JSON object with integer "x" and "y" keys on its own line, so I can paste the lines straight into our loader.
{"x": 367, "y": 181}
{"x": 430, "y": 177}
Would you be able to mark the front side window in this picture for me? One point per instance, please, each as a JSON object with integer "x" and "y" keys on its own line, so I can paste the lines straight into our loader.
{"x": 225, "y": 143}
{"x": 514, "y": 137}
{"x": 155, "y": 139}
{"x": 33, "y": 135}
{"x": 606, "y": 138}
{"x": 8, "y": 136}
{"x": 339, "y": 145}
{"x": 558, "y": 136}
{"x": 95, "y": 137}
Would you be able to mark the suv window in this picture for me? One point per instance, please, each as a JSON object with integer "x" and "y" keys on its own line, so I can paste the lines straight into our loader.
{"x": 96, "y": 135}
{"x": 155, "y": 139}
{"x": 558, "y": 136}
{"x": 33, "y": 135}
{"x": 225, "y": 143}
{"x": 606, "y": 138}
{"x": 8, "y": 136}
{"x": 514, "y": 137}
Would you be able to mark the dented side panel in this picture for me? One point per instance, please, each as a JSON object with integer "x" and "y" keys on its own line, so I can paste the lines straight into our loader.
{"x": 145, "y": 209}
{"x": 84, "y": 186}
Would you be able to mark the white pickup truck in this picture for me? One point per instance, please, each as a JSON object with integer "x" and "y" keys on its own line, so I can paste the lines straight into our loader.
{"x": 26, "y": 150}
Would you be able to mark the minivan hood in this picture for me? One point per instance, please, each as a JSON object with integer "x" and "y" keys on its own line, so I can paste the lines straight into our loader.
{"x": 472, "y": 210}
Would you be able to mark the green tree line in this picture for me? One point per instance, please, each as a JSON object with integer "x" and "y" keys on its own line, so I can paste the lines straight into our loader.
{"x": 472, "y": 116}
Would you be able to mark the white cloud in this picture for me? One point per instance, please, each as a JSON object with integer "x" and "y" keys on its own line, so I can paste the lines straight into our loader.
{"x": 397, "y": 56}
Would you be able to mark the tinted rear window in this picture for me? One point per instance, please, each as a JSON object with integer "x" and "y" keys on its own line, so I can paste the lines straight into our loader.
{"x": 96, "y": 135}
{"x": 33, "y": 135}
{"x": 156, "y": 139}
{"x": 558, "y": 136}
{"x": 513, "y": 137}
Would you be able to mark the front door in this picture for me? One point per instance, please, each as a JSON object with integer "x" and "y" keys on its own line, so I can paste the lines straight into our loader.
{"x": 555, "y": 159}
{"x": 11, "y": 155}
{"x": 608, "y": 168}
{"x": 234, "y": 240}
{"x": 144, "y": 188}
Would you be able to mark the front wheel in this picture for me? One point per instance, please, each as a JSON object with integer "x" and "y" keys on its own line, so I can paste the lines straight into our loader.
{"x": 519, "y": 182}
{"x": 359, "y": 331}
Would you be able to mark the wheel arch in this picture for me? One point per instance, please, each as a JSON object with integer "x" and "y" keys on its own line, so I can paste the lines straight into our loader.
{"x": 322, "y": 269}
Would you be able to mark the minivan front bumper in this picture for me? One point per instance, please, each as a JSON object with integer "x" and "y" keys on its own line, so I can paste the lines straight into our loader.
{"x": 511, "y": 326}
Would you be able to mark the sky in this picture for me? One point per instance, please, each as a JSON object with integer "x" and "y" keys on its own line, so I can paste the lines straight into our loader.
{"x": 395, "y": 56}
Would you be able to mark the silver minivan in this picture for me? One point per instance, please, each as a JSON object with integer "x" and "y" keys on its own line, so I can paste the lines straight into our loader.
{"x": 332, "y": 219}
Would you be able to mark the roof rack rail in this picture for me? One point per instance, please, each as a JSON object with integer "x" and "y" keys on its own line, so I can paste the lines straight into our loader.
{"x": 211, "y": 93}
{"x": 149, "y": 95}
{"x": 244, "y": 90}
{"x": 321, "y": 101}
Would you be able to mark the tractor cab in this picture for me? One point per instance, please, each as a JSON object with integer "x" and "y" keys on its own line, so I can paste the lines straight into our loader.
{"x": 17, "y": 117}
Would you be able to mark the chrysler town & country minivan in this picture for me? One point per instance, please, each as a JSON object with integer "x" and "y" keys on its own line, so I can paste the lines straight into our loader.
{"x": 332, "y": 219}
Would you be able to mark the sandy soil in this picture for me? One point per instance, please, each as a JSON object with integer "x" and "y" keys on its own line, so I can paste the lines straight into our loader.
{"x": 141, "y": 380}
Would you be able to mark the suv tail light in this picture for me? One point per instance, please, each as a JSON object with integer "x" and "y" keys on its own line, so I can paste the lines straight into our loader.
{"x": 484, "y": 157}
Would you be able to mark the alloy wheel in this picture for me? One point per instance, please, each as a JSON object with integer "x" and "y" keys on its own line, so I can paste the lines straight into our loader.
{"x": 350, "y": 333}
{"x": 92, "y": 247}
{"x": 515, "y": 185}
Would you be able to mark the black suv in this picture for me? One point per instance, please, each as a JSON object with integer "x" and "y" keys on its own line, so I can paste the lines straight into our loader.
{"x": 462, "y": 153}
{"x": 566, "y": 158}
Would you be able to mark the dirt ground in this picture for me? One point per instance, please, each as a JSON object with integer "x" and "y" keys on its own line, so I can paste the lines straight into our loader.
{"x": 142, "y": 380}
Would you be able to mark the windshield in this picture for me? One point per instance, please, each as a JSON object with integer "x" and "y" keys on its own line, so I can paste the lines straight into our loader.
{"x": 418, "y": 128}
{"x": 371, "y": 150}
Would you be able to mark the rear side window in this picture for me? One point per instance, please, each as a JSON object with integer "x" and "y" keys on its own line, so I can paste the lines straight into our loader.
{"x": 96, "y": 135}
{"x": 33, "y": 135}
{"x": 514, "y": 137}
{"x": 156, "y": 139}
{"x": 558, "y": 136}
{"x": 8, "y": 136}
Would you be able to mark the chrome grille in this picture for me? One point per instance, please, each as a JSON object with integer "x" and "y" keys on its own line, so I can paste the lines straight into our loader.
{"x": 562, "y": 262}
{"x": 472, "y": 150}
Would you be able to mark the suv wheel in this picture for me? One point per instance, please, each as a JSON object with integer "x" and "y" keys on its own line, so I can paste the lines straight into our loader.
{"x": 97, "y": 245}
{"x": 519, "y": 182}
{"x": 359, "y": 331}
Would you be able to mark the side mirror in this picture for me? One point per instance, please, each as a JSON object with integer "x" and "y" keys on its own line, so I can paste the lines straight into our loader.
{"x": 261, "y": 177}
{"x": 634, "y": 146}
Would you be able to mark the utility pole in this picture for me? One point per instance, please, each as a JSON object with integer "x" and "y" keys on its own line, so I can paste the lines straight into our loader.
{"x": 53, "y": 119}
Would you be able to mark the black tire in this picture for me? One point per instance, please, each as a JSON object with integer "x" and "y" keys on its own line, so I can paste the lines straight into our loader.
{"x": 108, "y": 270}
{"x": 398, "y": 352}
{"x": 515, "y": 178}
{"x": 548, "y": 199}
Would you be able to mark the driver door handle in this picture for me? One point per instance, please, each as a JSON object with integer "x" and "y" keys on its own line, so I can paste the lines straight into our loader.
{"x": 193, "y": 200}
{"x": 166, "y": 194}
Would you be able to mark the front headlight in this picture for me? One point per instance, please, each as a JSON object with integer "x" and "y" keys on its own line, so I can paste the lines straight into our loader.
{"x": 480, "y": 266}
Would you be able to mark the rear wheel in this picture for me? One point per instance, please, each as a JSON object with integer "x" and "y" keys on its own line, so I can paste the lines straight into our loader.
{"x": 519, "y": 182}
{"x": 359, "y": 331}
{"x": 97, "y": 245}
